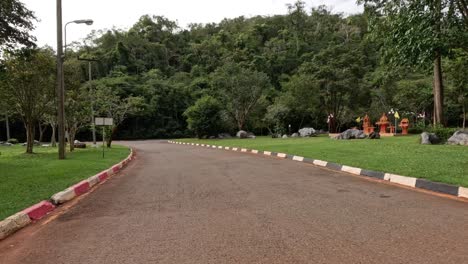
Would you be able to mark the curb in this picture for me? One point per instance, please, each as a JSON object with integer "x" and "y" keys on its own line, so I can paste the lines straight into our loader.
{"x": 21, "y": 219}
{"x": 412, "y": 182}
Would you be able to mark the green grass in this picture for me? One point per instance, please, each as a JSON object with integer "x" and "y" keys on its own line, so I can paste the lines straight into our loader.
{"x": 398, "y": 155}
{"x": 26, "y": 179}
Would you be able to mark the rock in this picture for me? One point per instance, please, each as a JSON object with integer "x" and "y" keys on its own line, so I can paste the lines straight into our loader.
{"x": 275, "y": 135}
{"x": 45, "y": 145}
{"x": 351, "y": 134}
{"x": 224, "y": 135}
{"x": 295, "y": 135}
{"x": 374, "y": 135}
{"x": 241, "y": 134}
{"x": 429, "y": 138}
{"x": 212, "y": 137}
{"x": 285, "y": 136}
{"x": 79, "y": 144}
{"x": 459, "y": 138}
{"x": 7, "y": 144}
{"x": 307, "y": 132}
{"x": 244, "y": 134}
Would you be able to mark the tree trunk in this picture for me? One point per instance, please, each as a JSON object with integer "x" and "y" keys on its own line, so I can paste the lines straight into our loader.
{"x": 7, "y": 125}
{"x": 464, "y": 117}
{"x": 53, "y": 142}
{"x": 438, "y": 91}
{"x": 109, "y": 138}
{"x": 71, "y": 136}
{"x": 41, "y": 131}
{"x": 30, "y": 137}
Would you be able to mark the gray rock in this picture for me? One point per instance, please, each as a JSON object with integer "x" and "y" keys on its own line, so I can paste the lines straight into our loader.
{"x": 295, "y": 135}
{"x": 224, "y": 135}
{"x": 7, "y": 144}
{"x": 212, "y": 137}
{"x": 285, "y": 136}
{"x": 429, "y": 138}
{"x": 459, "y": 138}
{"x": 374, "y": 135}
{"x": 351, "y": 134}
{"x": 307, "y": 132}
{"x": 244, "y": 134}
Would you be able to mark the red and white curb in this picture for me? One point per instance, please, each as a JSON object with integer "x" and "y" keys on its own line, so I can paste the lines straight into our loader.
{"x": 438, "y": 187}
{"x": 39, "y": 210}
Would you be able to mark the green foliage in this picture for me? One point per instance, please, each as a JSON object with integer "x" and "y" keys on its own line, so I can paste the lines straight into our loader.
{"x": 443, "y": 133}
{"x": 204, "y": 117}
{"x": 17, "y": 22}
{"x": 240, "y": 89}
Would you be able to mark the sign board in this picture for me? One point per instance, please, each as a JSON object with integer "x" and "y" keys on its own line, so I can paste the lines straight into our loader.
{"x": 103, "y": 121}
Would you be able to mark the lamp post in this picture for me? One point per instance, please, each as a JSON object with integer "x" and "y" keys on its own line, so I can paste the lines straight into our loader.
{"x": 93, "y": 126}
{"x": 60, "y": 76}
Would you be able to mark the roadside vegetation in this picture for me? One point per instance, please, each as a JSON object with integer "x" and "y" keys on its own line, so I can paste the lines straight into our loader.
{"x": 26, "y": 179}
{"x": 398, "y": 155}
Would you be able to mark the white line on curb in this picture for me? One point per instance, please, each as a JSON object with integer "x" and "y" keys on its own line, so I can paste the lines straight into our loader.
{"x": 298, "y": 158}
{"x": 320, "y": 163}
{"x": 352, "y": 170}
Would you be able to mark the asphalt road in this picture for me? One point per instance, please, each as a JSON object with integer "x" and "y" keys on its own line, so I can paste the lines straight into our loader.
{"x": 183, "y": 204}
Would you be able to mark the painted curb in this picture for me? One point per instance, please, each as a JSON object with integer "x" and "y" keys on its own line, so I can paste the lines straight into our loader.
{"x": 39, "y": 210}
{"x": 437, "y": 187}
{"x": 13, "y": 223}
{"x": 21, "y": 219}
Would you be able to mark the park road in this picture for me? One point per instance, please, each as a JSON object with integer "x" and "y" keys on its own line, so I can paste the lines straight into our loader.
{"x": 184, "y": 204}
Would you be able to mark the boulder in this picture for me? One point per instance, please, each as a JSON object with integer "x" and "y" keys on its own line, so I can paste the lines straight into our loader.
{"x": 429, "y": 138}
{"x": 351, "y": 134}
{"x": 295, "y": 135}
{"x": 241, "y": 134}
{"x": 459, "y": 138}
{"x": 244, "y": 134}
{"x": 307, "y": 132}
{"x": 212, "y": 137}
{"x": 285, "y": 136}
{"x": 374, "y": 135}
{"x": 224, "y": 135}
{"x": 275, "y": 135}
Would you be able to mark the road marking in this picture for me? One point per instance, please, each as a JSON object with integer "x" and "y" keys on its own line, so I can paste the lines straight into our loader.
{"x": 320, "y": 163}
{"x": 268, "y": 153}
{"x": 352, "y": 170}
{"x": 281, "y": 155}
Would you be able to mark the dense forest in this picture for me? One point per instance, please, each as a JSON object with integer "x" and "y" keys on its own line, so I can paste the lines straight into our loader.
{"x": 265, "y": 74}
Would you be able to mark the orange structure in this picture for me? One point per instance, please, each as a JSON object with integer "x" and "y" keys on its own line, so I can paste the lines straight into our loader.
{"x": 404, "y": 124}
{"x": 383, "y": 123}
{"x": 367, "y": 125}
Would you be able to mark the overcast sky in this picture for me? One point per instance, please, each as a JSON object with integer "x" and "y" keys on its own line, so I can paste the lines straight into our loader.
{"x": 124, "y": 13}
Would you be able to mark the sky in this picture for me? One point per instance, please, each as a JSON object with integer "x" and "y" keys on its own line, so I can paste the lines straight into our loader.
{"x": 123, "y": 14}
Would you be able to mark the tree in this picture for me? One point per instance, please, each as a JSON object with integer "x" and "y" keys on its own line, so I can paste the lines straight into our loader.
{"x": 110, "y": 104}
{"x": 240, "y": 90}
{"x": 419, "y": 33}
{"x": 16, "y": 23}
{"x": 457, "y": 71}
{"x": 29, "y": 85}
{"x": 204, "y": 117}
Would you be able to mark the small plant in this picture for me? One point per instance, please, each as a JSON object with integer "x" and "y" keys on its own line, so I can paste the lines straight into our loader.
{"x": 13, "y": 141}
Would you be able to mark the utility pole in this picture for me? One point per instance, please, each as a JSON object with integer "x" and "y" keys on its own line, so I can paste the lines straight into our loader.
{"x": 60, "y": 86}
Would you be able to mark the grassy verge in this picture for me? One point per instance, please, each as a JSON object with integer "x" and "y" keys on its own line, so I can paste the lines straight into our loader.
{"x": 27, "y": 179}
{"x": 399, "y": 155}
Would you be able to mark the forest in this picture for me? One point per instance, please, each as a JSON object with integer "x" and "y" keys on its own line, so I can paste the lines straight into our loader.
{"x": 265, "y": 74}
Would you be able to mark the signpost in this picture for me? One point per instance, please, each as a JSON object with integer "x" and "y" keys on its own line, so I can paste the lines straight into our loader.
{"x": 103, "y": 121}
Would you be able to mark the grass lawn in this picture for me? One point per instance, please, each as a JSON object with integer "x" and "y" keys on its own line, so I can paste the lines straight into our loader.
{"x": 26, "y": 179}
{"x": 398, "y": 155}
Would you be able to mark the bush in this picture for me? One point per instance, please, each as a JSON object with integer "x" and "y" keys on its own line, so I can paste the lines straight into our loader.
{"x": 415, "y": 130}
{"x": 12, "y": 141}
{"x": 443, "y": 133}
{"x": 204, "y": 117}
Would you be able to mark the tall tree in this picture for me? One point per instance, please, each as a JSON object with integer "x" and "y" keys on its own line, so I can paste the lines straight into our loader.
{"x": 29, "y": 80}
{"x": 16, "y": 22}
{"x": 240, "y": 90}
{"x": 418, "y": 33}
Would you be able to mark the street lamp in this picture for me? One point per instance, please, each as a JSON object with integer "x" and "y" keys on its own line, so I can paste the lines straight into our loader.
{"x": 60, "y": 76}
{"x": 88, "y": 22}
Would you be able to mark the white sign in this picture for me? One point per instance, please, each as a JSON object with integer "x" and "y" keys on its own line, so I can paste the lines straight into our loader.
{"x": 103, "y": 121}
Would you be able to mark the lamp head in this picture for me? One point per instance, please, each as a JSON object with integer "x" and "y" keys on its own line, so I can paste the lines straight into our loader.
{"x": 88, "y": 22}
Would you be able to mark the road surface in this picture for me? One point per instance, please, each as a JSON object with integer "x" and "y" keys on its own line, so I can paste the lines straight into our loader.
{"x": 183, "y": 204}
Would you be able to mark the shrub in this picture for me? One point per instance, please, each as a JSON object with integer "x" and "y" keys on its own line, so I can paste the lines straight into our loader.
{"x": 12, "y": 141}
{"x": 204, "y": 117}
{"x": 415, "y": 130}
{"x": 443, "y": 133}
